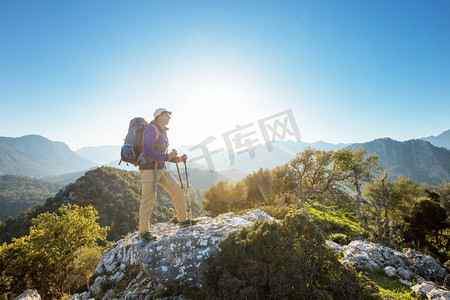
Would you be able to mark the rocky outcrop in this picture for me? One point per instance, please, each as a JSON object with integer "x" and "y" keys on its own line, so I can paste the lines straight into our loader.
{"x": 430, "y": 290}
{"x": 132, "y": 269}
{"x": 29, "y": 295}
{"x": 407, "y": 266}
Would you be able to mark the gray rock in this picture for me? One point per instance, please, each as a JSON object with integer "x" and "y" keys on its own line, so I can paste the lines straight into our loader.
{"x": 390, "y": 271}
{"x": 177, "y": 258}
{"x": 404, "y": 273}
{"x": 29, "y": 295}
{"x": 335, "y": 246}
{"x": 427, "y": 266}
{"x": 409, "y": 265}
{"x": 96, "y": 287}
{"x": 405, "y": 282}
{"x": 82, "y": 296}
{"x": 430, "y": 290}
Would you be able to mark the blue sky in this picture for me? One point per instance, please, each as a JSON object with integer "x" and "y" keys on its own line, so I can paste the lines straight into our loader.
{"x": 350, "y": 71}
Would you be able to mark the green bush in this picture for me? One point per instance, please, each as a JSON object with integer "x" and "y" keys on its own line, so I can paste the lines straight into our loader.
{"x": 286, "y": 260}
{"x": 340, "y": 238}
{"x": 278, "y": 212}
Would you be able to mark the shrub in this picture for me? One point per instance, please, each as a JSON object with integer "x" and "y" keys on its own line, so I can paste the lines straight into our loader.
{"x": 340, "y": 238}
{"x": 286, "y": 260}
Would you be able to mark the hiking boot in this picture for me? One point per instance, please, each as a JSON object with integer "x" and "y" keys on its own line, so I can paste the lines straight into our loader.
{"x": 174, "y": 220}
{"x": 147, "y": 237}
{"x": 187, "y": 223}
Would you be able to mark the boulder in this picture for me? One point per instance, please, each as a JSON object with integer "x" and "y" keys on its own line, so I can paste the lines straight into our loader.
{"x": 430, "y": 290}
{"x": 178, "y": 257}
{"x": 390, "y": 271}
{"x": 407, "y": 266}
{"x": 29, "y": 295}
{"x": 175, "y": 260}
{"x": 425, "y": 265}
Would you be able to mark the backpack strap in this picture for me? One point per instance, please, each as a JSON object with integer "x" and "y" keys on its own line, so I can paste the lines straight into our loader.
{"x": 155, "y": 171}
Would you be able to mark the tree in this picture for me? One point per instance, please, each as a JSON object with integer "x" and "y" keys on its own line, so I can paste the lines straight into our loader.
{"x": 44, "y": 259}
{"x": 252, "y": 191}
{"x": 387, "y": 202}
{"x": 357, "y": 169}
{"x": 225, "y": 196}
{"x": 259, "y": 185}
{"x": 309, "y": 175}
{"x": 427, "y": 218}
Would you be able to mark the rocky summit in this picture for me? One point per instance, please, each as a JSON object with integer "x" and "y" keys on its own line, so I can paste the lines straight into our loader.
{"x": 133, "y": 269}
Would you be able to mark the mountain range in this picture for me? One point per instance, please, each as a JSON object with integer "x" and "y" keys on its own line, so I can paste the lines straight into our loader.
{"x": 424, "y": 160}
{"x": 36, "y": 156}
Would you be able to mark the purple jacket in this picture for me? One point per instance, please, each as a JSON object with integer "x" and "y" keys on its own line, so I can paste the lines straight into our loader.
{"x": 154, "y": 150}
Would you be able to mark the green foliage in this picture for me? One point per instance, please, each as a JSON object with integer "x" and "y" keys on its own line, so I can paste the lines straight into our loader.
{"x": 426, "y": 218}
{"x": 44, "y": 259}
{"x": 386, "y": 202}
{"x": 356, "y": 168}
{"x": 259, "y": 186}
{"x": 18, "y": 193}
{"x": 224, "y": 197}
{"x": 308, "y": 176}
{"x": 278, "y": 212}
{"x": 340, "y": 238}
{"x": 83, "y": 266}
{"x": 333, "y": 219}
{"x": 391, "y": 288}
{"x": 250, "y": 192}
{"x": 281, "y": 261}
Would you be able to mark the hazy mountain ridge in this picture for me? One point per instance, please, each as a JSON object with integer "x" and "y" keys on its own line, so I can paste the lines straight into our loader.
{"x": 100, "y": 155}
{"x": 442, "y": 140}
{"x": 37, "y": 156}
{"x": 417, "y": 159}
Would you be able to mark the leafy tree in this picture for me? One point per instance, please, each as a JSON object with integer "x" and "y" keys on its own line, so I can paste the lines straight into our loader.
{"x": 444, "y": 192}
{"x": 386, "y": 201}
{"x": 82, "y": 269}
{"x": 357, "y": 169}
{"x": 225, "y": 196}
{"x": 259, "y": 186}
{"x": 281, "y": 261}
{"x": 309, "y": 175}
{"x": 427, "y": 218}
{"x": 45, "y": 258}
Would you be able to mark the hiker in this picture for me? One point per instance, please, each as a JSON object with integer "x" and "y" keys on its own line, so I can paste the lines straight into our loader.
{"x": 153, "y": 171}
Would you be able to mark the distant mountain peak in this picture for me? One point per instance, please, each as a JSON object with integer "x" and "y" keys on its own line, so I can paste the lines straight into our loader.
{"x": 442, "y": 140}
{"x": 36, "y": 156}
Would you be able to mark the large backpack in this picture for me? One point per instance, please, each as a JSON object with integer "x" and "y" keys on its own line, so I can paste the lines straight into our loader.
{"x": 132, "y": 149}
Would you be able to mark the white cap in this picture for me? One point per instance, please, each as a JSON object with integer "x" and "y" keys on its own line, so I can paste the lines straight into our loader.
{"x": 160, "y": 111}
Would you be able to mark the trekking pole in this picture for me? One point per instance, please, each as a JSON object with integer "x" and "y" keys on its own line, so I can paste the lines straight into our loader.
{"x": 181, "y": 183}
{"x": 189, "y": 196}
{"x": 179, "y": 175}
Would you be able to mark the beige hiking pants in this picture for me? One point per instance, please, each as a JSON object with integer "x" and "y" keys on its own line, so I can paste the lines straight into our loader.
{"x": 148, "y": 200}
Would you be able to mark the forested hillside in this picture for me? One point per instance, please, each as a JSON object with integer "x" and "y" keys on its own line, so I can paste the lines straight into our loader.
{"x": 114, "y": 193}
{"x": 18, "y": 193}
